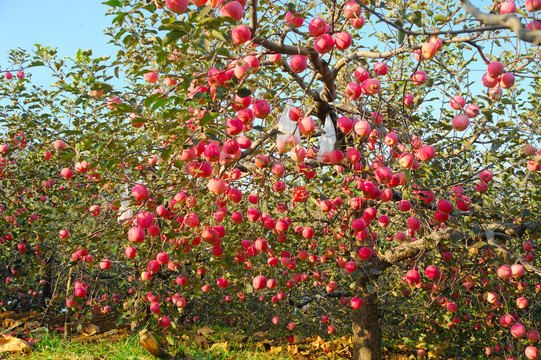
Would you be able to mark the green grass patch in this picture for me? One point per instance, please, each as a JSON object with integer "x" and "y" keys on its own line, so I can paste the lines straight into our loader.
{"x": 226, "y": 347}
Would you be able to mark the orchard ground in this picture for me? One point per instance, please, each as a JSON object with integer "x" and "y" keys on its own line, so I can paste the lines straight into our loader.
{"x": 200, "y": 341}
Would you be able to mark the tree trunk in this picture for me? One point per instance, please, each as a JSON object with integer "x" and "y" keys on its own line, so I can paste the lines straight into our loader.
{"x": 46, "y": 290}
{"x": 366, "y": 337}
{"x": 67, "y": 323}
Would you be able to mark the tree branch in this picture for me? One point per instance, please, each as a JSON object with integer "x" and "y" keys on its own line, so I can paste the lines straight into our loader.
{"x": 410, "y": 250}
{"x": 510, "y": 21}
{"x": 313, "y": 298}
{"x": 508, "y": 257}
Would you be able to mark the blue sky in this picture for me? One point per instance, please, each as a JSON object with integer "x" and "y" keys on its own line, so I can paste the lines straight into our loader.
{"x": 65, "y": 24}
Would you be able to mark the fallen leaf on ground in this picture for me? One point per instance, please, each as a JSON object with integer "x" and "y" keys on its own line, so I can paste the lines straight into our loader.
{"x": 13, "y": 344}
{"x": 260, "y": 334}
{"x": 240, "y": 337}
{"x": 205, "y": 331}
{"x": 90, "y": 329}
{"x": 223, "y": 346}
{"x": 202, "y": 342}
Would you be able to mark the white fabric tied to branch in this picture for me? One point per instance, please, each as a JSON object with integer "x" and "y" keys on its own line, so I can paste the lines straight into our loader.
{"x": 327, "y": 140}
{"x": 125, "y": 212}
{"x": 286, "y": 127}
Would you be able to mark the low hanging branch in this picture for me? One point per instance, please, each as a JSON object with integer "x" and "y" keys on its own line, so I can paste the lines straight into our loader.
{"x": 507, "y": 256}
{"x": 310, "y": 299}
{"x": 410, "y": 250}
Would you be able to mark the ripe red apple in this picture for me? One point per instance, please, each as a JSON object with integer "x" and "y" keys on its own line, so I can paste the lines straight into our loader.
{"x": 357, "y": 22}
{"x": 533, "y": 5}
{"x": 419, "y": 77}
{"x": 432, "y": 272}
{"x": 343, "y": 40}
{"x": 517, "y": 270}
{"x": 177, "y": 6}
{"x": 274, "y": 58}
{"x": 130, "y": 252}
{"x": 295, "y": 21}
{"x": 162, "y": 258}
{"x": 241, "y": 34}
{"x": 140, "y": 192}
{"x": 365, "y": 253}
{"x": 136, "y": 234}
{"x": 259, "y": 282}
{"x": 261, "y": 109}
{"x": 529, "y": 150}
{"x": 345, "y": 124}
{"x": 323, "y": 43}
{"x": 356, "y": 302}
{"x": 461, "y": 122}
{"x": 64, "y": 234}
{"x": 233, "y": 10}
{"x": 533, "y": 335}
{"x": 507, "y": 80}
{"x": 458, "y": 102}
{"x": 105, "y": 264}
{"x": 362, "y": 128}
{"x": 353, "y": 91}
{"x": 361, "y": 74}
{"x": 518, "y": 330}
{"x": 413, "y": 277}
{"x": 317, "y": 27}
{"x": 531, "y": 352}
{"x": 522, "y": 302}
{"x": 66, "y": 173}
{"x": 508, "y": 7}
{"x": 428, "y": 50}
{"x": 425, "y": 153}
{"x": 298, "y": 63}
{"x": 352, "y": 9}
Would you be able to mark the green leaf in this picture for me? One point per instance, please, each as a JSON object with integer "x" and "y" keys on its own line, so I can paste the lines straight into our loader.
{"x": 223, "y": 51}
{"x": 218, "y": 35}
{"x": 244, "y": 93}
{"x": 152, "y": 98}
{"x": 166, "y": 154}
{"x": 170, "y": 340}
{"x": 207, "y": 118}
{"x": 440, "y": 17}
{"x": 159, "y": 103}
{"x": 172, "y": 37}
{"x": 525, "y": 212}
{"x": 202, "y": 44}
{"x": 112, "y": 3}
{"x": 407, "y": 174}
{"x": 479, "y": 244}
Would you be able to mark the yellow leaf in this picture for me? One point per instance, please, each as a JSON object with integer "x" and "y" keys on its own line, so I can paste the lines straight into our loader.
{"x": 276, "y": 350}
{"x": 223, "y": 346}
{"x": 292, "y": 349}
